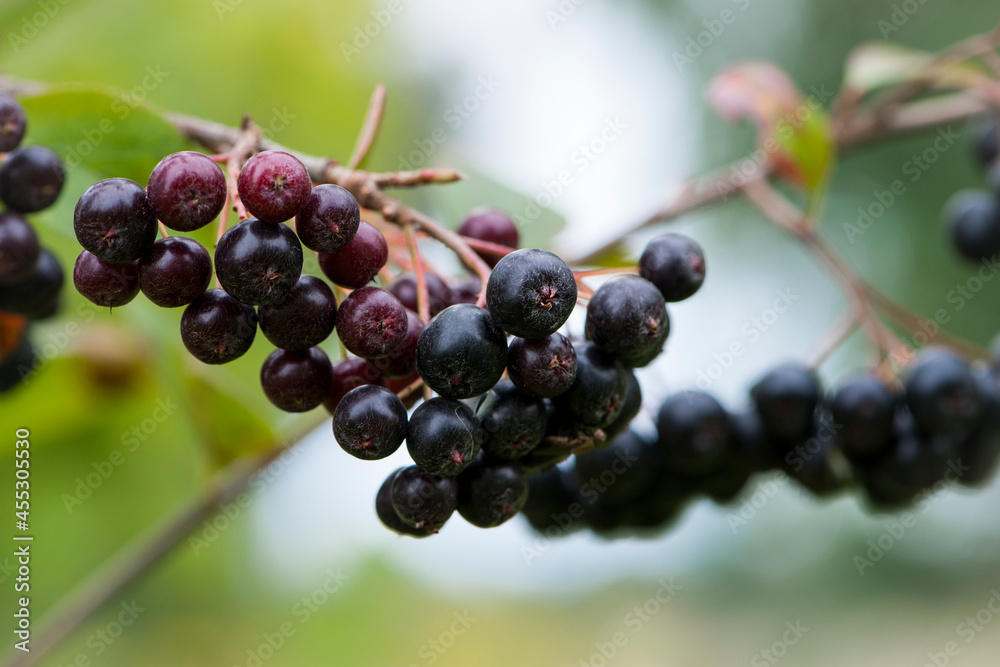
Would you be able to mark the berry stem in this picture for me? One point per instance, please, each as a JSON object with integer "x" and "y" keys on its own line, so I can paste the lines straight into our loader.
{"x": 370, "y": 128}
{"x": 423, "y": 299}
{"x": 163, "y": 230}
{"x": 834, "y": 337}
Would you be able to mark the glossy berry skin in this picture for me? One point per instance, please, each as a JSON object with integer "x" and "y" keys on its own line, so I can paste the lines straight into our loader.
{"x": 864, "y": 410}
{"x": 329, "y": 219}
{"x": 675, "y": 264}
{"x": 462, "y": 352}
{"x": 387, "y": 513}
{"x": 296, "y": 381}
{"x": 216, "y": 328}
{"x": 372, "y": 323}
{"x": 175, "y": 272}
{"x": 491, "y": 492}
{"x": 543, "y": 367}
{"x": 694, "y": 433}
{"x": 439, "y": 294}
{"x": 973, "y": 219}
{"x": 443, "y": 437}
{"x": 113, "y": 220}
{"x": 423, "y": 500}
{"x": 36, "y": 295}
{"x": 597, "y": 395}
{"x": 274, "y": 186}
{"x": 358, "y": 262}
{"x": 304, "y": 319}
{"x": 258, "y": 263}
{"x": 512, "y": 422}
{"x": 370, "y": 423}
{"x": 627, "y": 318}
{"x": 402, "y": 363}
{"x": 942, "y": 394}
{"x": 187, "y": 190}
{"x": 31, "y": 179}
{"x": 491, "y": 226}
{"x": 348, "y": 374}
{"x": 19, "y": 247}
{"x": 786, "y": 399}
{"x": 13, "y": 123}
{"x": 16, "y": 365}
{"x": 531, "y": 293}
{"x": 105, "y": 284}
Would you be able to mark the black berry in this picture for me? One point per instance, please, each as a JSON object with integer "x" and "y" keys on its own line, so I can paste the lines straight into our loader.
{"x": 462, "y": 352}
{"x": 531, "y": 293}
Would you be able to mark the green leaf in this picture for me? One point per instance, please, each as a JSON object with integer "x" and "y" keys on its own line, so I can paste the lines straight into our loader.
{"x": 617, "y": 256}
{"x": 224, "y": 423}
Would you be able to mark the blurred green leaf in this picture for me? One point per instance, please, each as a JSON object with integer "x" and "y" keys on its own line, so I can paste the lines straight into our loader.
{"x": 224, "y": 423}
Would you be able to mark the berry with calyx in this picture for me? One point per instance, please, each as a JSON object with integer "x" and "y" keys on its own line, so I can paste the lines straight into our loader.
{"x": 296, "y": 381}
{"x": 423, "y": 500}
{"x": 372, "y": 323}
{"x": 443, "y": 437}
{"x": 544, "y": 367}
{"x": 187, "y": 190}
{"x": 863, "y": 409}
{"x": 491, "y": 226}
{"x": 462, "y": 352}
{"x": 329, "y": 219}
{"x": 531, "y": 293}
{"x": 175, "y": 272}
{"x": 974, "y": 222}
{"x": 274, "y": 186}
{"x": 103, "y": 283}
{"x": 36, "y": 295}
{"x": 216, "y": 328}
{"x": 13, "y": 123}
{"x": 31, "y": 179}
{"x": 358, "y": 262}
{"x": 387, "y": 513}
{"x": 258, "y": 262}
{"x": 113, "y": 220}
{"x": 370, "y": 423}
{"x": 19, "y": 247}
{"x": 675, "y": 264}
{"x": 513, "y": 423}
{"x": 694, "y": 433}
{"x": 941, "y": 393}
{"x": 627, "y": 318}
{"x": 439, "y": 294}
{"x": 786, "y": 399}
{"x": 347, "y": 375}
{"x": 597, "y": 396}
{"x": 304, "y": 319}
{"x": 491, "y": 492}
{"x": 630, "y": 407}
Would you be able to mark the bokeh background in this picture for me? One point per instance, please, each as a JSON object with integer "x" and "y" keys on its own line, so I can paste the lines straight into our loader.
{"x": 533, "y": 81}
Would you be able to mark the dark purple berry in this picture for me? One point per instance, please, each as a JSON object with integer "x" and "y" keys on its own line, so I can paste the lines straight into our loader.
{"x": 694, "y": 433}
{"x": 627, "y": 318}
{"x": 439, "y": 295}
{"x": 304, "y": 319}
{"x": 296, "y": 381}
{"x": 466, "y": 291}
{"x": 187, "y": 190}
{"x": 423, "y": 500}
{"x": 462, "y": 352}
{"x": 370, "y": 423}
{"x": 19, "y": 247}
{"x": 512, "y": 422}
{"x": 31, "y": 179}
{"x": 216, "y": 328}
{"x": 491, "y": 492}
{"x": 113, "y": 220}
{"x": 531, "y": 293}
{"x": 597, "y": 396}
{"x": 863, "y": 410}
{"x": 786, "y": 399}
{"x": 358, "y": 262}
{"x": 175, "y": 272}
{"x": 17, "y": 365}
{"x": 675, "y": 264}
{"x": 372, "y": 323}
{"x": 443, "y": 437}
{"x": 258, "y": 263}
{"x": 941, "y": 393}
{"x": 274, "y": 186}
{"x": 403, "y": 362}
{"x": 36, "y": 295}
{"x": 491, "y": 226}
{"x": 542, "y": 366}
{"x": 387, "y": 513}
{"x": 973, "y": 218}
{"x": 103, "y": 283}
{"x": 13, "y": 123}
{"x": 329, "y": 219}
{"x": 348, "y": 374}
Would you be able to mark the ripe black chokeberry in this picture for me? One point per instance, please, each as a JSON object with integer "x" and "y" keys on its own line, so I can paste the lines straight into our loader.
{"x": 491, "y": 226}
{"x": 627, "y": 318}
{"x": 103, "y": 283}
{"x": 16, "y": 365}
{"x": 863, "y": 409}
{"x": 31, "y": 179}
{"x": 423, "y": 500}
{"x": 942, "y": 394}
{"x": 980, "y": 449}
{"x": 973, "y": 218}
{"x": 216, "y": 328}
{"x": 274, "y": 186}
{"x": 675, "y": 264}
{"x": 786, "y": 399}
{"x": 550, "y": 496}
{"x": 542, "y": 366}
{"x": 13, "y": 123}
{"x": 630, "y": 407}
{"x": 372, "y": 323}
{"x": 694, "y": 433}
{"x": 370, "y": 422}
{"x": 597, "y": 395}
{"x": 816, "y": 463}
{"x": 462, "y": 352}
{"x": 531, "y": 293}
{"x": 113, "y": 220}
{"x": 329, "y": 219}
{"x": 439, "y": 294}
{"x": 348, "y": 374}
{"x": 19, "y": 247}
{"x": 304, "y": 319}
{"x": 512, "y": 422}
{"x": 402, "y": 363}
{"x": 258, "y": 262}
{"x": 986, "y": 143}
{"x": 622, "y": 471}
{"x": 491, "y": 491}
{"x": 358, "y": 262}
{"x": 36, "y": 295}
{"x": 443, "y": 436}
{"x": 387, "y": 513}
{"x": 297, "y": 381}
{"x": 175, "y": 272}
{"x": 187, "y": 190}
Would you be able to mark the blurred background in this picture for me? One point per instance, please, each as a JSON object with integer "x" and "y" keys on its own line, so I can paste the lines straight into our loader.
{"x": 301, "y": 572}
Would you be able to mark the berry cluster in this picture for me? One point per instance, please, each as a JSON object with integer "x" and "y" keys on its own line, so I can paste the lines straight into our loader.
{"x": 973, "y": 216}
{"x": 942, "y": 426}
{"x": 31, "y": 178}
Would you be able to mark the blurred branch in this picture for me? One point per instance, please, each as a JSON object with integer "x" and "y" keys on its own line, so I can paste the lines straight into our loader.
{"x": 369, "y": 130}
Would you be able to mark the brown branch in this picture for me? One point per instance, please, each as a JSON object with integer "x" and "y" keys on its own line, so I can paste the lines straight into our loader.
{"x": 369, "y": 130}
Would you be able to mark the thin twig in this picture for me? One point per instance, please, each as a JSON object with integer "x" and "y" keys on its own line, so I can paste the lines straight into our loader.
{"x": 370, "y": 127}
{"x": 423, "y": 298}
